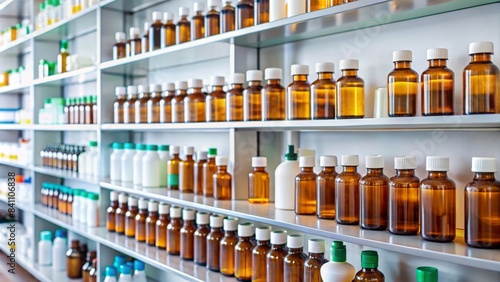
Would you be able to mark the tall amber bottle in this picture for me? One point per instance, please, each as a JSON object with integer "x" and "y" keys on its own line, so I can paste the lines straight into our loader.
{"x": 402, "y": 85}
{"x": 259, "y": 253}
{"x": 293, "y": 264}
{"x": 154, "y": 103}
{"x": 374, "y": 194}
{"x": 299, "y": 94}
{"x": 404, "y": 198}
{"x": 187, "y": 234}
{"x": 244, "y": 14}
{"x": 252, "y": 96}
{"x": 120, "y": 213}
{"x": 261, "y": 11}
{"x": 347, "y": 191}
{"x": 209, "y": 169}
{"x": 350, "y": 91}
{"x": 369, "y": 271}
{"x": 186, "y": 171}
{"x": 213, "y": 242}
{"x": 482, "y": 211}
{"x": 201, "y": 159}
{"x": 305, "y": 187}
{"x": 437, "y": 85}
{"x": 161, "y": 226}
{"x": 62, "y": 57}
{"x": 151, "y": 223}
{"x": 227, "y": 245}
{"x": 155, "y": 31}
{"x": 194, "y": 103}
{"x": 111, "y": 211}
{"x": 140, "y": 222}
{"x": 258, "y": 182}
{"x": 273, "y": 96}
{"x": 437, "y": 204}
{"x": 480, "y": 81}
{"x": 228, "y": 17}
{"x": 168, "y": 32}
{"x": 216, "y": 100}
{"x": 141, "y": 105}
{"x": 222, "y": 179}
{"x": 198, "y": 21}
{"x": 91, "y": 255}
{"x": 73, "y": 260}
{"x": 129, "y": 105}
{"x": 174, "y": 232}
{"x": 177, "y": 102}
{"x": 200, "y": 239}
{"x": 183, "y": 26}
{"x": 314, "y": 5}
{"x": 325, "y": 187}
{"x": 135, "y": 45}
{"x": 243, "y": 253}
{"x": 173, "y": 168}
{"x": 234, "y": 98}
{"x": 165, "y": 102}
{"x": 316, "y": 259}
{"x": 323, "y": 92}
{"x": 276, "y": 256}
{"x": 212, "y": 19}
{"x": 119, "y": 48}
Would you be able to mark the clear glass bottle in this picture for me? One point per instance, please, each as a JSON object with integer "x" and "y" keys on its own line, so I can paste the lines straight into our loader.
{"x": 174, "y": 232}
{"x": 194, "y": 103}
{"x": 369, "y": 271}
{"x": 111, "y": 212}
{"x": 129, "y": 105}
{"x": 299, "y": 94}
{"x": 305, "y": 187}
{"x": 350, "y": 91}
{"x": 314, "y": 5}
{"x": 244, "y": 14}
{"x": 402, "y": 85}
{"x": 374, "y": 195}
{"x": 145, "y": 38}
{"x": 227, "y": 245}
{"x": 273, "y": 95}
{"x": 213, "y": 243}
{"x": 198, "y": 21}
{"x": 234, "y": 98}
{"x": 186, "y": 171}
{"x": 135, "y": 44}
{"x": 216, "y": 100}
{"x": 243, "y": 253}
{"x": 258, "y": 182}
{"x": 161, "y": 226}
{"x": 120, "y": 213}
{"x": 427, "y": 274}
{"x": 212, "y": 19}
{"x": 154, "y": 103}
{"x": 323, "y": 92}
{"x": 404, "y": 198}
{"x": 261, "y": 11}
{"x": 187, "y": 234}
{"x": 168, "y": 30}
{"x": 259, "y": 253}
{"x": 222, "y": 180}
{"x": 315, "y": 261}
{"x": 276, "y": 256}
{"x": 119, "y": 48}
{"x": 438, "y": 202}
{"x": 177, "y": 102}
{"x": 165, "y": 102}
{"x": 183, "y": 26}
{"x": 347, "y": 191}
{"x": 62, "y": 57}
{"x": 200, "y": 238}
{"x": 173, "y": 168}
{"x": 136, "y": 219}
{"x": 209, "y": 169}
{"x": 437, "y": 85}
{"x": 252, "y": 96}
{"x": 155, "y": 31}
{"x": 141, "y": 104}
{"x": 151, "y": 223}
{"x": 293, "y": 264}
{"x": 325, "y": 187}
{"x": 201, "y": 159}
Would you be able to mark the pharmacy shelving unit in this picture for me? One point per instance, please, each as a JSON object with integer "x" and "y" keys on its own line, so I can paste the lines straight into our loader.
{"x": 356, "y": 29}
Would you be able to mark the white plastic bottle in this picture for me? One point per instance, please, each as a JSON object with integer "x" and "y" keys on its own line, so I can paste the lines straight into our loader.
{"x": 151, "y": 167}
{"x": 110, "y": 274}
{"x": 115, "y": 162}
{"x": 59, "y": 248}
{"x": 140, "y": 151}
{"x": 337, "y": 269}
{"x": 45, "y": 248}
{"x": 277, "y": 10}
{"x": 164, "y": 154}
{"x": 82, "y": 166}
{"x": 76, "y": 205}
{"x": 284, "y": 181}
{"x": 125, "y": 273}
{"x": 93, "y": 212}
{"x": 89, "y": 158}
{"x": 139, "y": 273}
{"x": 127, "y": 166}
{"x": 296, "y": 7}
{"x": 96, "y": 164}
{"x": 83, "y": 206}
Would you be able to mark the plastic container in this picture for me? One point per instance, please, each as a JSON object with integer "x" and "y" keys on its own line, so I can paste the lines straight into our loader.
{"x": 284, "y": 177}
{"x": 93, "y": 214}
{"x": 89, "y": 158}
{"x": 151, "y": 167}
{"x": 8, "y": 115}
{"x": 137, "y": 163}
{"x": 115, "y": 162}
{"x": 139, "y": 272}
{"x": 59, "y": 248}
{"x": 164, "y": 155}
{"x": 337, "y": 269}
{"x": 127, "y": 160}
{"x": 45, "y": 248}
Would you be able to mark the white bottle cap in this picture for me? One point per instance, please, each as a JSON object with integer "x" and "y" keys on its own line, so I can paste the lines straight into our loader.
{"x": 402, "y": 56}
{"x": 259, "y": 162}
{"x": 216, "y": 221}
{"x": 195, "y": 83}
{"x": 202, "y": 218}
{"x": 167, "y": 16}
{"x": 230, "y": 224}
{"x": 278, "y": 237}
{"x": 120, "y": 90}
{"x": 481, "y": 47}
{"x": 188, "y": 214}
{"x": 146, "y": 26}
{"x": 295, "y": 241}
{"x": 152, "y": 206}
{"x": 134, "y": 32}
{"x": 132, "y": 202}
{"x": 113, "y": 196}
{"x": 122, "y": 198}
{"x": 157, "y": 16}
{"x": 213, "y": 3}
{"x": 245, "y": 229}
{"x": 188, "y": 150}
{"x": 325, "y": 67}
{"x": 237, "y": 78}
{"x": 484, "y": 164}
{"x": 350, "y": 160}
{"x": 175, "y": 212}
{"x": 164, "y": 208}
{"x": 328, "y": 161}
{"x": 376, "y": 161}
{"x": 183, "y": 11}
{"x": 201, "y": 155}
{"x": 409, "y": 162}
{"x": 168, "y": 86}
{"x": 437, "y": 163}
{"x": 306, "y": 152}
{"x": 155, "y": 87}
{"x": 143, "y": 88}
{"x": 273, "y": 73}
{"x": 143, "y": 204}
{"x": 299, "y": 69}
{"x": 263, "y": 233}
{"x": 131, "y": 89}
{"x": 316, "y": 246}
{"x": 437, "y": 53}
{"x": 216, "y": 80}
{"x": 349, "y": 64}
{"x": 254, "y": 75}
{"x": 120, "y": 37}
{"x": 181, "y": 84}
{"x": 199, "y": 7}
{"x": 306, "y": 161}
{"x": 221, "y": 160}
{"x": 174, "y": 150}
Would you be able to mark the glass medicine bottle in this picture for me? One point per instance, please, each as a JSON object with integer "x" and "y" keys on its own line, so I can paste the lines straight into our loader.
{"x": 174, "y": 232}
{"x": 209, "y": 169}
{"x": 161, "y": 226}
{"x": 212, "y": 18}
{"x": 213, "y": 242}
{"x": 201, "y": 159}
{"x": 437, "y": 204}
{"x": 293, "y": 264}
{"x": 187, "y": 234}
{"x": 350, "y": 91}
{"x": 347, "y": 191}
{"x": 402, "y": 84}
{"x": 177, "y": 102}
{"x": 168, "y": 92}
{"x": 135, "y": 44}
{"x": 62, "y": 57}
{"x": 135, "y": 217}
{"x": 129, "y": 105}
{"x": 276, "y": 256}
{"x": 228, "y": 17}
{"x": 259, "y": 253}
{"x": 369, "y": 271}
{"x": 145, "y": 39}
{"x": 151, "y": 223}
{"x": 374, "y": 194}
{"x": 154, "y": 104}
{"x": 194, "y": 103}
{"x": 198, "y": 21}
{"x": 120, "y": 213}
{"x": 244, "y": 14}
{"x": 173, "y": 168}
{"x": 200, "y": 239}
{"x": 437, "y": 85}
{"x": 88, "y": 265}
{"x": 155, "y": 32}
{"x": 299, "y": 94}
{"x": 273, "y": 95}
{"x": 183, "y": 26}
{"x": 81, "y": 110}
{"x": 314, "y": 5}
{"x": 258, "y": 182}
{"x": 74, "y": 261}
{"x": 168, "y": 33}
{"x": 315, "y": 260}
{"x": 234, "y": 98}
{"x": 261, "y": 11}
{"x": 186, "y": 171}
{"x": 216, "y": 100}
{"x": 227, "y": 245}
{"x": 323, "y": 92}
{"x": 222, "y": 180}
{"x": 243, "y": 253}
{"x": 119, "y": 48}
{"x": 141, "y": 104}
{"x": 252, "y": 96}
{"x": 325, "y": 187}
{"x": 305, "y": 187}
{"x": 404, "y": 198}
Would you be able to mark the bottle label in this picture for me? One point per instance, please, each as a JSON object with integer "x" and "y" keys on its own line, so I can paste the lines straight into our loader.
{"x": 173, "y": 179}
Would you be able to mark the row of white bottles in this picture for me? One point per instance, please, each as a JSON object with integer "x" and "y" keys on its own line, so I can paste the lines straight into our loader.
{"x": 53, "y": 253}
{"x": 125, "y": 273}
{"x": 88, "y": 162}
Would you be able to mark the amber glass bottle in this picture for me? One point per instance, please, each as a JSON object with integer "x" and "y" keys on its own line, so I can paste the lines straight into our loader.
{"x": 130, "y": 217}
{"x": 161, "y": 226}
{"x": 174, "y": 232}
{"x": 141, "y": 105}
{"x": 325, "y": 187}
{"x": 198, "y": 21}
{"x": 258, "y": 182}
{"x": 222, "y": 180}
{"x": 259, "y": 253}
{"x": 209, "y": 169}
{"x": 138, "y": 226}
{"x": 81, "y": 110}
{"x": 437, "y": 204}
{"x": 299, "y": 94}
{"x": 151, "y": 223}
{"x": 119, "y": 48}
{"x": 228, "y": 17}
{"x": 374, "y": 195}
{"x": 244, "y": 14}
{"x": 350, "y": 91}
{"x": 165, "y": 102}
{"x": 168, "y": 34}
{"x": 316, "y": 259}
{"x": 234, "y": 98}
{"x": 402, "y": 85}
{"x": 347, "y": 191}
{"x": 173, "y": 168}
{"x": 293, "y": 264}
{"x": 186, "y": 171}
{"x": 227, "y": 245}
{"x": 305, "y": 187}
{"x": 187, "y": 234}
{"x": 273, "y": 96}
{"x": 314, "y": 5}
{"x": 212, "y": 19}
{"x": 252, "y": 96}
{"x": 62, "y": 57}
{"x": 145, "y": 39}
{"x": 482, "y": 211}
{"x": 404, "y": 198}
{"x": 73, "y": 260}
{"x": 88, "y": 265}
{"x": 134, "y": 45}
{"x": 213, "y": 243}
{"x": 153, "y": 104}
{"x": 200, "y": 238}
{"x": 323, "y": 92}
{"x": 120, "y": 213}
{"x": 243, "y": 253}
{"x": 155, "y": 31}
{"x": 276, "y": 257}
{"x": 261, "y": 11}
{"x": 216, "y": 100}
{"x": 437, "y": 85}
{"x": 129, "y": 105}
{"x": 369, "y": 271}
{"x": 194, "y": 103}
{"x": 480, "y": 81}
{"x": 177, "y": 102}
{"x": 183, "y": 26}
{"x": 201, "y": 159}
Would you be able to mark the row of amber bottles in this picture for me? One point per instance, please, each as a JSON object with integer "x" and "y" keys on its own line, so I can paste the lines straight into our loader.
{"x": 58, "y": 197}
{"x": 81, "y": 110}
{"x": 61, "y": 156}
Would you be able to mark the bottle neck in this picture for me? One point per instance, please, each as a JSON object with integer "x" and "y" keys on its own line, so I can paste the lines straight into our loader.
{"x": 273, "y": 81}
{"x": 153, "y": 214}
{"x": 189, "y": 157}
{"x": 260, "y": 169}
{"x": 437, "y": 63}
{"x": 196, "y": 90}
{"x": 325, "y": 75}
{"x": 350, "y": 168}
{"x": 254, "y": 83}
{"x": 216, "y": 229}
{"x": 222, "y": 168}
{"x": 263, "y": 243}
{"x": 306, "y": 169}
{"x": 180, "y": 92}
{"x": 402, "y": 65}
{"x": 144, "y": 95}
{"x": 349, "y": 72}
{"x": 374, "y": 171}
{"x": 484, "y": 176}
{"x": 481, "y": 57}
{"x": 317, "y": 255}
{"x": 300, "y": 77}
{"x": 405, "y": 172}
{"x": 189, "y": 222}
{"x": 245, "y": 239}
{"x": 278, "y": 247}
{"x": 438, "y": 174}
{"x": 203, "y": 226}
{"x": 295, "y": 250}
{"x": 230, "y": 233}
{"x": 329, "y": 169}
{"x": 237, "y": 86}
{"x": 217, "y": 88}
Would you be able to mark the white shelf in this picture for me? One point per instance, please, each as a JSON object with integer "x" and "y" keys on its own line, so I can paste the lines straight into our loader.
{"x": 14, "y": 89}
{"x": 78, "y": 76}
{"x": 14, "y": 164}
{"x": 66, "y": 174}
{"x": 27, "y": 207}
{"x": 65, "y": 127}
{"x": 15, "y": 126}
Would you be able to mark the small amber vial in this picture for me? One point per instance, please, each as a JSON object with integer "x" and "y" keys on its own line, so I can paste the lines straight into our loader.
{"x": 227, "y": 245}
{"x": 140, "y": 221}
{"x": 209, "y": 169}
{"x": 234, "y": 98}
{"x": 261, "y": 11}
{"x": 134, "y": 43}
{"x": 228, "y": 17}
{"x": 402, "y": 85}
{"x": 404, "y": 198}
{"x": 118, "y": 105}
{"x": 325, "y": 187}
{"x": 258, "y": 182}
{"x": 482, "y": 196}
{"x": 259, "y": 253}
{"x": 62, "y": 57}
{"x": 305, "y": 187}
{"x": 119, "y": 48}
{"x": 154, "y": 103}
{"x": 155, "y": 31}
{"x": 141, "y": 104}
{"x": 437, "y": 85}
{"x": 173, "y": 168}
{"x": 168, "y": 32}
{"x": 243, "y": 253}
{"x": 216, "y": 100}
{"x": 151, "y": 223}
{"x": 186, "y": 171}
{"x": 174, "y": 232}
{"x": 168, "y": 92}
{"x": 213, "y": 243}
{"x": 273, "y": 95}
{"x": 374, "y": 195}
{"x": 244, "y": 14}
{"x": 299, "y": 94}
{"x": 177, "y": 102}
{"x": 347, "y": 191}
{"x": 130, "y": 215}
{"x": 201, "y": 159}
{"x": 145, "y": 38}
{"x": 200, "y": 239}
{"x": 369, "y": 271}
{"x": 293, "y": 264}
{"x": 187, "y": 234}
{"x": 120, "y": 213}
{"x": 161, "y": 226}
{"x": 316, "y": 259}
{"x": 194, "y": 103}
{"x": 350, "y": 91}
{"x": 198, "y": 21}
{"x": 314, "y": 5}
{"x": 252, "y": 96}
{"x": 276, "y": 256}
{"x": 480, "y": 81}
{"x": 183, "y": 26}
{"x": 129, "y": 105}
{"x": 222, "y": 179}
{"x": 212, "y": 19}
{"x": 438, "y": 202}
{"x": 323, "y": 92}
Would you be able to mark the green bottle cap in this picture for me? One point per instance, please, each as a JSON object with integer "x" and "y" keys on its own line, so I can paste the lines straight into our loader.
{"x": 338, "y": 251}
{"x": 93, "y": 196}
{"x": 152, "y": 147}
{"x": 427, "y": 274}
{"x": 163, "y": 147}
{"x": 212, "y": 152}
{"x": 76, "y": 192}
{"x": 93, "y": 99}
{"x": 118, "y": 146}
{"x": 130, "y": 146}
{"x": 369, "y": 259}
{"x": 48, "y": 2}
{"x": 42, "y": 6}
{"x": 291, "y": 155}
{"x": 45, "y": 236}
{"x": 140, "y": 147}
{"x": 64, "y": 45}
{"x": 56, "y": 3}
{"x": 93, "y": 143}
{"x": 83, "y": 193}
